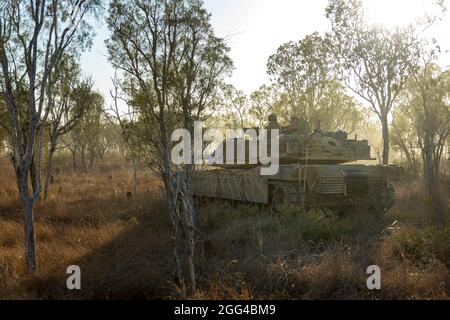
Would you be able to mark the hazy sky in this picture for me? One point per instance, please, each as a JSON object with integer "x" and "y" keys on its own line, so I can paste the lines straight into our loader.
{"x": 254, "y": 29}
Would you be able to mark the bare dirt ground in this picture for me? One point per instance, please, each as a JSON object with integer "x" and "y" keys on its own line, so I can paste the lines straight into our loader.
{"x": 123, "y": 248}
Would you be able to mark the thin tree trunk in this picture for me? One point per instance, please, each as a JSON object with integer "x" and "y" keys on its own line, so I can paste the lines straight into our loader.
{"x": 190, "y": 250}
{"x": 48, "y": 173}
{"x": 385, "y": 129}
{"x": 134, "y": 174}
{"x": 437, "y": 166}
{"x": 428, "y": 169}
{"x": 172, "y": 193}
{"x": 83, "y": 158}
{"x": 133, "y": 160}
{"x": 34, "y": 175}
{"x": 414, "y": 161}
{"x": 92, "y": 157}
{"x": 432, "y": 183}
{"x": 188, "y": 206}
{"x": 74, "y": 160}
{"x": 175, "y": 220}
{"x": 174, "y": 238}
{"x": 30, "y": 238}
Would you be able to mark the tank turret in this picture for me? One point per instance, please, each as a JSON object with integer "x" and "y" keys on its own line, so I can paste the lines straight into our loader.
{"x": 322, "y": 147}
{"x": 300, "y": 145}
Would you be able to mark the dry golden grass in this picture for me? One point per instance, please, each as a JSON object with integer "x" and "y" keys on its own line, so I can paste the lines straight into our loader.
{"x": 123, "y": 248}
{"x": 119, "y": 243}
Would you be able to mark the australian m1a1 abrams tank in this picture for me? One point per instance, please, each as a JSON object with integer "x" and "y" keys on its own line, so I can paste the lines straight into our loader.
{"x": 317, "y": 170}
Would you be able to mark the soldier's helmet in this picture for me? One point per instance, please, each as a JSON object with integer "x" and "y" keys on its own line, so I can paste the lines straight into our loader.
{"x": 273, "y": 118}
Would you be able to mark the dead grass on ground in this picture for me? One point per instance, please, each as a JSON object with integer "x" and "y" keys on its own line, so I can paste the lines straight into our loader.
{"x": 123, "y": 248}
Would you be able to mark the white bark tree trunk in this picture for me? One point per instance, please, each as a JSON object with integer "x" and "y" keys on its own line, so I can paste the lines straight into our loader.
{"x": 30, "y": 238}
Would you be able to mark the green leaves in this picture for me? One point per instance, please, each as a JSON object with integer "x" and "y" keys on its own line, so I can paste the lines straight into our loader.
{"x": 306, "y": 71}
{"x": 298, "y": 65}
{"x": 374, "y": 62}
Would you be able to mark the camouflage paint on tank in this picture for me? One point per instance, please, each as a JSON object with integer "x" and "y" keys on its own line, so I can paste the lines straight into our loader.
{"x": 222, "y": 184}
{"x": 314, "y": 172}
{"x": 314, "y": 185}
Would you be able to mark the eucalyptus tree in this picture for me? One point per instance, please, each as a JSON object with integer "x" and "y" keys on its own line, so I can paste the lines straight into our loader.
{"x": 306, "y": 72}
{"x": 88, "y": 133}
{"x": 375, "y": 62}
{"x": 169, "y": 54}
{"x": 123, "y": 118}
{"x": 403, "y": 137}
{"x": 426, "y": 110}
{"x": 64, "y": 113}
{"x": 33, "y": 38}
{"x": 237, "y": 107}
{"x": 302, "y": 68}
{"x": 264, "y": 102}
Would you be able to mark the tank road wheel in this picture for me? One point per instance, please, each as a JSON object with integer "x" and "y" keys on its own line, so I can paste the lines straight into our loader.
{"x": 284, "y": 194}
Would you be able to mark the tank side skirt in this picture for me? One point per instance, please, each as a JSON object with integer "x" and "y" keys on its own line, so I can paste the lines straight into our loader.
{"x": 325, "y": 185}
{"x": 232, "y": 187}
